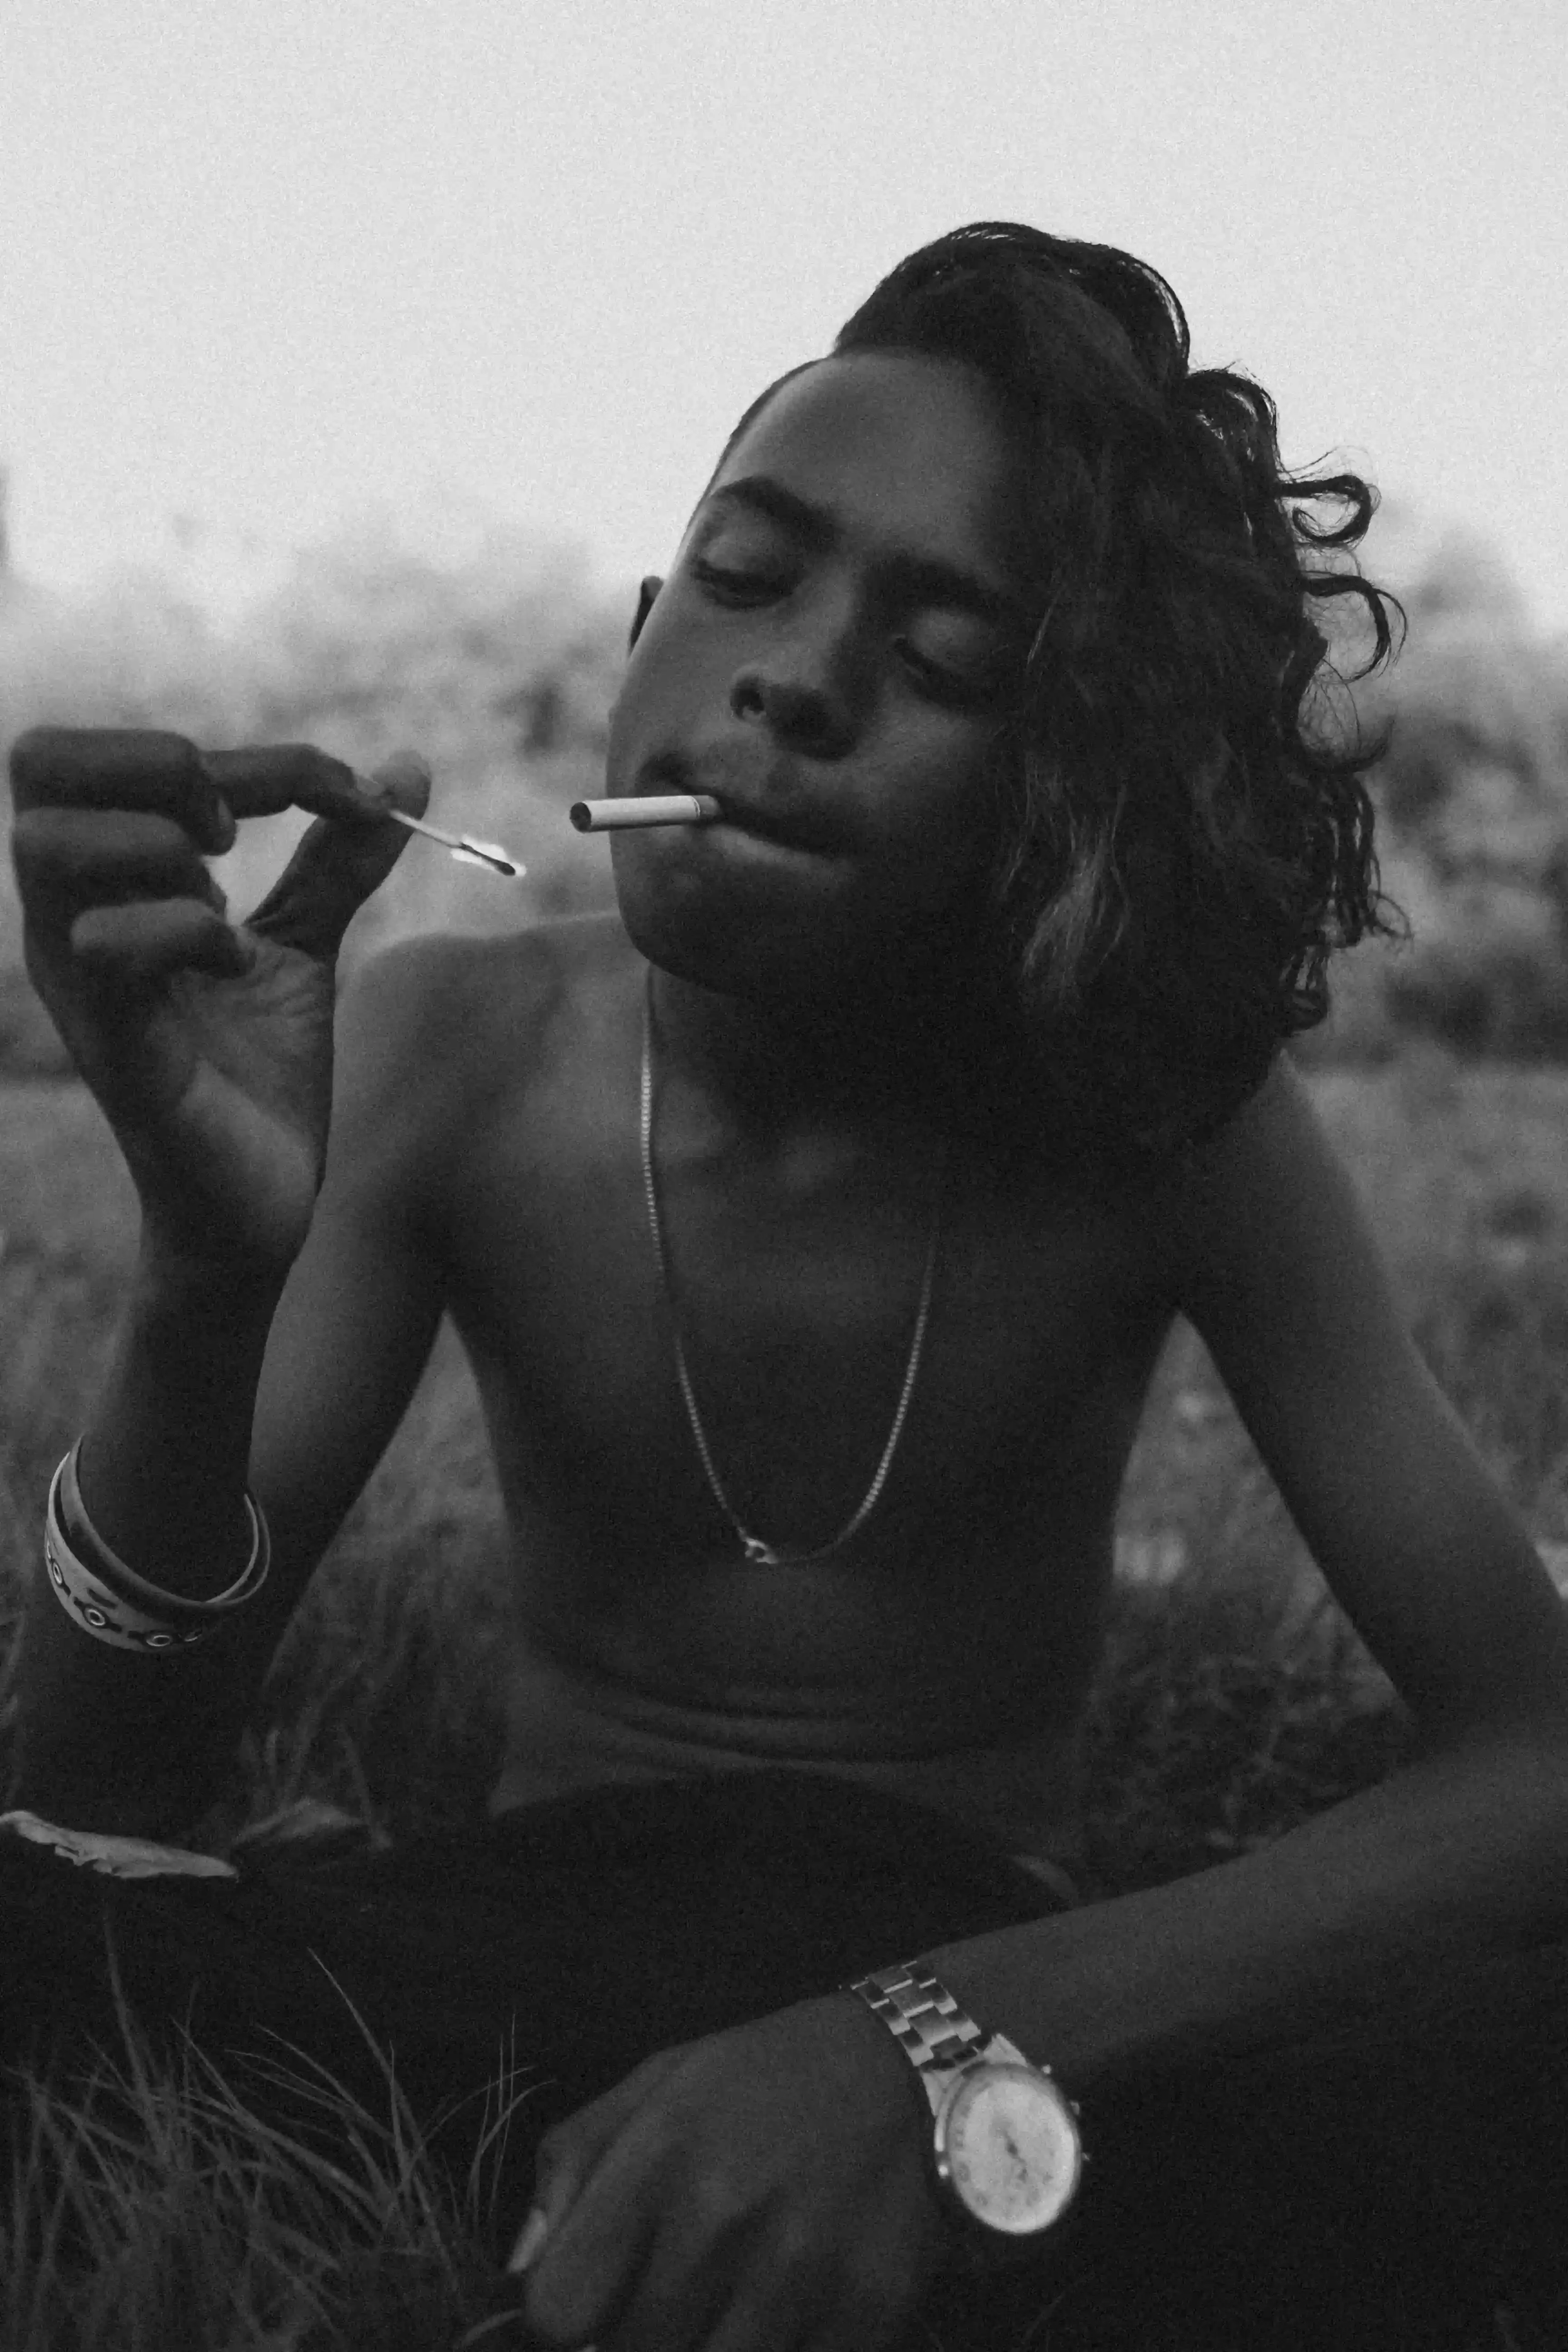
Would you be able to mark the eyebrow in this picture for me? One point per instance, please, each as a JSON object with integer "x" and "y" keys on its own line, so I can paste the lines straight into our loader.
{"x": 928, "y": 579}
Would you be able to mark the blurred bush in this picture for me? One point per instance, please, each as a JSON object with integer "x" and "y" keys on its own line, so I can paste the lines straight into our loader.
{"x": 1472, "y": 815}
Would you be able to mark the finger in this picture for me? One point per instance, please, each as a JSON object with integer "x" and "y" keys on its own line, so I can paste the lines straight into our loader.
{"x": 596, "y": 2234}
{"x": 727, "y": 2276}
{"x": 336, "y": 867}
{"x": 561, "y": 2164}
{"x": 146, "y": 766}
{"x": 563, "y": 2169}
{"x": 874, "y": 2299}
{"x": 789, "y": 2289}
{"x": 568, "y": 2155}
{"x": 679, "y": 2295}
{"x": 765, "y": 2318}
{"x": 135, "y": 946}
{"x": 138, "y": 768}
{"x": 70, "y": 858}
{"x": 261, "y": 780}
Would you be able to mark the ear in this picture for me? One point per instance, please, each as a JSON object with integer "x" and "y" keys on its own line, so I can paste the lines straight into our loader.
{"x": 645, "y": 594}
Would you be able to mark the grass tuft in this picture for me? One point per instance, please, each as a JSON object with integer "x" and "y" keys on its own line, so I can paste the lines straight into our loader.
{"x": 152, "y": 2206}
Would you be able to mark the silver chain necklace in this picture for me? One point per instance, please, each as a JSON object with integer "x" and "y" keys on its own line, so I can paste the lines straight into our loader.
{"x": 766, "y": 1555}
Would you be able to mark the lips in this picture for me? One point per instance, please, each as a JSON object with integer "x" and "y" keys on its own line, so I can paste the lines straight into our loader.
{"x": 755, "y": 798}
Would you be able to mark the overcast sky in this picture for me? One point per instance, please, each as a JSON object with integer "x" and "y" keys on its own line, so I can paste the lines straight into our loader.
{"x": 265, "y": 263}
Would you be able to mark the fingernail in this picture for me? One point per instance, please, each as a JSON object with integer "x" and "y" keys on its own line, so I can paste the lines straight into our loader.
{"x": 531, "y": 2238}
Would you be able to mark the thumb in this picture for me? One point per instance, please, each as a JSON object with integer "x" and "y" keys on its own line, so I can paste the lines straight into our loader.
{"x": 339, "y": 861}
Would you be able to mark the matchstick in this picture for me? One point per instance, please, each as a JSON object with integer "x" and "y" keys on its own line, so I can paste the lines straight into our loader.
{"x": 463, "y": 846}
{"x": 667, "y": 808}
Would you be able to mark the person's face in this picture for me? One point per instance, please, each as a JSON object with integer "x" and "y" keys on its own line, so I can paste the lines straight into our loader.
{"x": 831, "y": 656}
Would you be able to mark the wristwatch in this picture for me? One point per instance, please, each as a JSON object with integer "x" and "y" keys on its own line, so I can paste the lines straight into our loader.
{"x": 1005, "y": 2149}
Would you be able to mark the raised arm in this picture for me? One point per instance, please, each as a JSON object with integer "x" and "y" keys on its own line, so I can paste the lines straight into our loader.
{"x": 211, "y": 1051}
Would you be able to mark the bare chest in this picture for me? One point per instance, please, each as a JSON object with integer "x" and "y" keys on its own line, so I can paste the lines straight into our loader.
{"x": 792, "y": 1298}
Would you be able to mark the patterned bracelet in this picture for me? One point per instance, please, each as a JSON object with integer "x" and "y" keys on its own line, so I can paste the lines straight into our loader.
{"x": 110, "y": 1602}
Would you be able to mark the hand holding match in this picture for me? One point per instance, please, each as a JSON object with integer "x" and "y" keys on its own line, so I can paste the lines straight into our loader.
{"x": 666, "y": 808}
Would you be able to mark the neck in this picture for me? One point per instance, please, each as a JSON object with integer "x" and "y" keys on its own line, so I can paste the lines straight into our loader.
{"x": 783, "y": 1071}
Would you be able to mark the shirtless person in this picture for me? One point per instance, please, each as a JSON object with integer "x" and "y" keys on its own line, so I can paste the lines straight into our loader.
{"x": 989, "y": 635}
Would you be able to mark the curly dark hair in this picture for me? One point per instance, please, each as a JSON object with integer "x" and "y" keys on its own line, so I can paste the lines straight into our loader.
{"x": 1184, "y": 834}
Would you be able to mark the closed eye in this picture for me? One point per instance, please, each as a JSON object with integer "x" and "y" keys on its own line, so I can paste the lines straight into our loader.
{"x": 960, "y": 691}
{"x": 945, "y": 685}
{"x": 755, "y": 584}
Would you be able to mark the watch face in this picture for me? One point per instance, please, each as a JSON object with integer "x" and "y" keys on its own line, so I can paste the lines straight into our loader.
{"x": 1007, "y": 2144}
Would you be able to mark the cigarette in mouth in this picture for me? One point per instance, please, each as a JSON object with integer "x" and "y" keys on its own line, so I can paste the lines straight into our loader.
{"x": 668, "y": 808}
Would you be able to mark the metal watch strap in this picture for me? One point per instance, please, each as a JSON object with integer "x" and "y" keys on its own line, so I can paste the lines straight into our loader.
{"x": 921, "y": 2015}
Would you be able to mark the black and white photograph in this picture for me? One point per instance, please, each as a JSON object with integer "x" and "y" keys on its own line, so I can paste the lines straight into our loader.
{"x": 784, "y": 1176}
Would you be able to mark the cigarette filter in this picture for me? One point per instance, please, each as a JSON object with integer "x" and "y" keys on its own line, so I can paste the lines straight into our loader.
{"x": 667, "y": 808}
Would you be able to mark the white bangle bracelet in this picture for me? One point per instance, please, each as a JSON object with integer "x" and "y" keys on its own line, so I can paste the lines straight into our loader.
{"x": 114, "y": 1571}
{"x": 113, "y": 1603}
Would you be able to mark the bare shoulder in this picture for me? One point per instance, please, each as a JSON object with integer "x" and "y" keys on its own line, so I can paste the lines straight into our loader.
{"x": 440, "y": 1005}
{"x": 433, "y": 1028}
{"x": 1267, "y": 1195}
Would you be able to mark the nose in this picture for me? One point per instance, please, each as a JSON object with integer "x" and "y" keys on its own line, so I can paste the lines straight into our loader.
{"x": 801, "y": 687}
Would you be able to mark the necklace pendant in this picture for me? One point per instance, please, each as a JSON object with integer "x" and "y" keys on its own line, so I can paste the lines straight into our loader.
{"x": 760, "y": 1554}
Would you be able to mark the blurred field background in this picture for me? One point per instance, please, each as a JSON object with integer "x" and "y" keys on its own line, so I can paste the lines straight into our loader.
{"x": 1233, "y": 1700}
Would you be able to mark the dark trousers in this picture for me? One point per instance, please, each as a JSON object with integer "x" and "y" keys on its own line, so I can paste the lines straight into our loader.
{"x": 1385, "y": 2188}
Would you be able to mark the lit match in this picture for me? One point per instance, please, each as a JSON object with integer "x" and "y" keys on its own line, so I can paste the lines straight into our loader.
{"x": 464, "y": 848}
{"x": 461, "y": 846}
{"x": 654, "y": 808}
